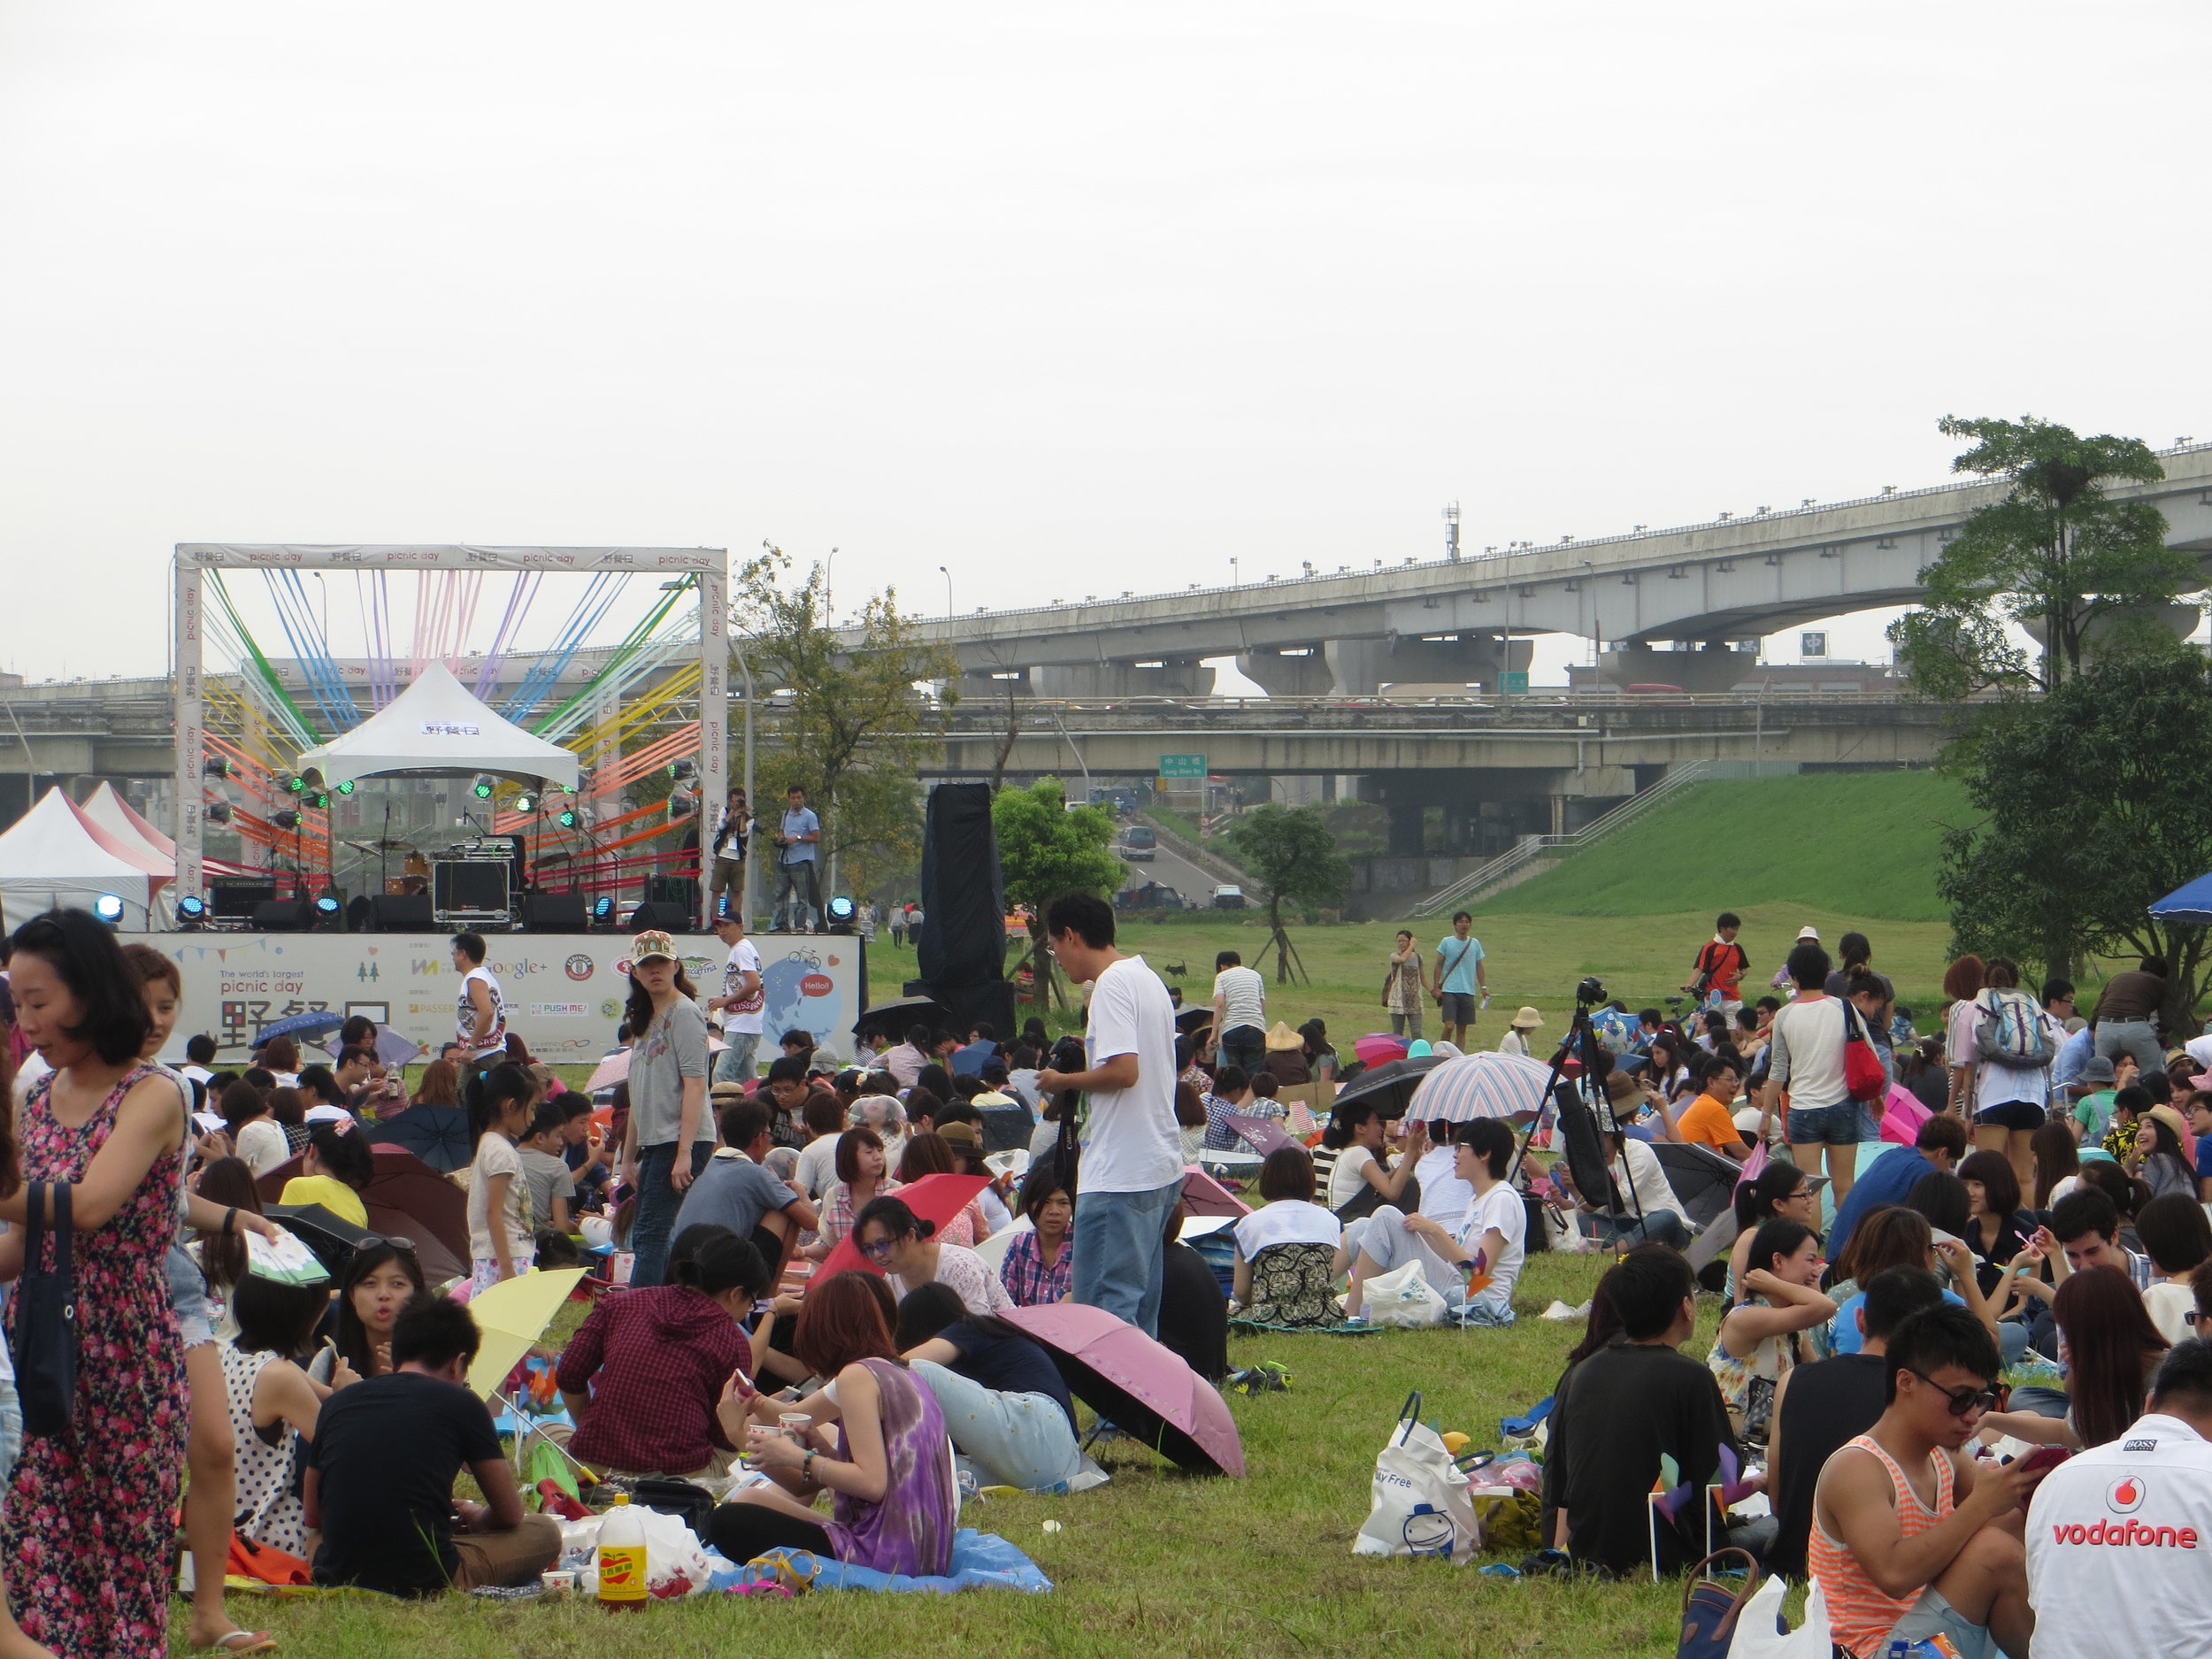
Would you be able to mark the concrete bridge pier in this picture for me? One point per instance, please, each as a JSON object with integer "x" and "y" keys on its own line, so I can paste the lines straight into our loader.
{"x": 1290, "y": 670}
{"x": 1715, "y": 666}
{"x": 1363, "y": 667}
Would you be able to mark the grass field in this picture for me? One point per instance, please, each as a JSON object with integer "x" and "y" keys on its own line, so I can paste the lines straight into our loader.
{"x": 1157, "y": 1562}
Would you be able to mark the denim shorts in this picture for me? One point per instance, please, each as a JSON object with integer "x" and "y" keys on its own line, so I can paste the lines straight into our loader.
{"x": 187, "y": 1295}
{"x": 1836, "y": 1126}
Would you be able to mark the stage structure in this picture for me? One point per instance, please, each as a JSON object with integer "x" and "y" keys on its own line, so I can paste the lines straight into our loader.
{"x": 536, "y": 743}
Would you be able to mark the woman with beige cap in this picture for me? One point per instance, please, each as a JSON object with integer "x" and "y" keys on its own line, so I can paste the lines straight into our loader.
{"x": 1515, "y": 1038}
{"x": 669, "y": 1134}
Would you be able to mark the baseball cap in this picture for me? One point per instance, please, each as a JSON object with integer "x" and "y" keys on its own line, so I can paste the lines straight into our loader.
{"x": 652, "y": 943}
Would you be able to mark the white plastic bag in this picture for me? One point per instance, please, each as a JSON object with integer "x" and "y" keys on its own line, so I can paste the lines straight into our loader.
{"x": 1755, "y": 1636}
{"x": 671, "y": 1549}
{"x": 1421, "y": 1504}
{"x": 1402, "y": 1298}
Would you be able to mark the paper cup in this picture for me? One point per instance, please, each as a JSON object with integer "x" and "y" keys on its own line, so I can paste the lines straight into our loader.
{"x": 556, "y": 1583}
{"x": 796, "y": 1423}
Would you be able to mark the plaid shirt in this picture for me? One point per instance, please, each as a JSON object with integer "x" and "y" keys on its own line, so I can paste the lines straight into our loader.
{"x": 654, "y": 1363}
{"x": 1027, "y": 1280}
{"x": 1219, "y": 1136}
{"x": 837, "y": 1209}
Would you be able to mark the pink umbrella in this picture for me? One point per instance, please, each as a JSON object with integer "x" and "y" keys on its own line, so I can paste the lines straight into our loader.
{"x": 1902, "y": 1114}
{"x": 1202, "y": 1195}
{"x": 1263, "y": 1135}
{"x": 1144, "y": 1389}
{"x": 616, "y": 1067}
{"x": 1378, "y": 1046}
{"x": 937, "y": 1198}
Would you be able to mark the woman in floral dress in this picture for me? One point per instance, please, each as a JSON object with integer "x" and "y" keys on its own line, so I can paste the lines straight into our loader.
{"x": 85, "y": 1530}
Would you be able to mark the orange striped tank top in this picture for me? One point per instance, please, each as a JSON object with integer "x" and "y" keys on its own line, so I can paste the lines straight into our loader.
{"x": 1859, "y": 1615}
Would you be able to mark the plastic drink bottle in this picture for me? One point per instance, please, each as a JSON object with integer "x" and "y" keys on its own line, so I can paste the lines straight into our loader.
{"x": 622, "y": 1572}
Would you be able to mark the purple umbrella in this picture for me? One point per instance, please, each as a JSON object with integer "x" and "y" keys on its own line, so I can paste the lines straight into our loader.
{"x": 1144, "y": 1389}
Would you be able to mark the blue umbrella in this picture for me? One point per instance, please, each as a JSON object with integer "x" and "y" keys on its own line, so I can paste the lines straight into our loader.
{"x": 439, "y": 1135}
{"x": 2189, "y": 904}
{"x": 309, "y": 1024}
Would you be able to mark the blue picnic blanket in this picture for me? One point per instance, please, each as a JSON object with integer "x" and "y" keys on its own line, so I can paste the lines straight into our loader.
{"x": 980, "y": 1561}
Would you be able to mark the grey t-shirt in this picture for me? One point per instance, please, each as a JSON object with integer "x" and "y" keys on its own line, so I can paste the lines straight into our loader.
{"x": 674, "y": 1047}
{"x": 732, "y": 1192}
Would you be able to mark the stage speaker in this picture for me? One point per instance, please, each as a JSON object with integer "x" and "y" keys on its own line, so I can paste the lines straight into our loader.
{"x": 233, "y": 900}
{"x": 284, "y": 916}
{"x": 963, "y": 904}
{"x": 403, "y": 913}
{"x": 989, "y": 1003}
{"x": 553, "y": 912}
{"x": 670, "y": 919}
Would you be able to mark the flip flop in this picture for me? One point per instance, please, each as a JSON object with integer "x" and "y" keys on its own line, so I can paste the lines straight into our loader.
{"x": 243, "y": 1642}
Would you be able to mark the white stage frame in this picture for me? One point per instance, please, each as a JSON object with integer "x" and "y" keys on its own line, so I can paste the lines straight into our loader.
{"x": 194, "y": 559}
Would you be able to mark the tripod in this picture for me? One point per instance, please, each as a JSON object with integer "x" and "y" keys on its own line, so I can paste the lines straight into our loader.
{"x": 1578, "y": 1102}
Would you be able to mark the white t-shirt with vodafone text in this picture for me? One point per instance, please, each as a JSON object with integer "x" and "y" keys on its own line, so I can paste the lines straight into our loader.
{"x": 1132, "y": 1145}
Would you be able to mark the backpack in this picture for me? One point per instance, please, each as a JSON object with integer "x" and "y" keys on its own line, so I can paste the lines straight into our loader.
{"x": 2009, "y": 1032}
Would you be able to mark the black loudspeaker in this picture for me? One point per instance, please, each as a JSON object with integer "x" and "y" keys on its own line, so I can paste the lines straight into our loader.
{"x": 963, "y": 904}
{"x": 990, "y": 1002}
{"x": 553, "y": 912}
{"x": 670, "y": 919}
{"x": 283, "y": 916}
{"x": 233, "y": 900}
{"x": 404, "y": 913}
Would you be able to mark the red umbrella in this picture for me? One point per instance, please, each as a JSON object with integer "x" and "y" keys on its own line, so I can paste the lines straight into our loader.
{"x": 1202, "y": 1195}
{"x": 936, "y": 1198}
{"x": 1144, "y": 1389}
{"x": 405, "y": 1197}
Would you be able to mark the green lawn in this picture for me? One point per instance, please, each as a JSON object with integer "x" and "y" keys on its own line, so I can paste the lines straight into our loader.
{"x": 1157, "y": 1561}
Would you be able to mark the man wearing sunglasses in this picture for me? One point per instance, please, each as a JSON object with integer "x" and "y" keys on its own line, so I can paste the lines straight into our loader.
{"x": 1911, "y": 1540}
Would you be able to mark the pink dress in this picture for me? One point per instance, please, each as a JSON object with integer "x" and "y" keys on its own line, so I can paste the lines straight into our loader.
{"x": 86, "y": 1524}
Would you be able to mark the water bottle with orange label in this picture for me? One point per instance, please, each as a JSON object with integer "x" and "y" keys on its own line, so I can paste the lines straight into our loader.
{"x": 622, "y": 1571}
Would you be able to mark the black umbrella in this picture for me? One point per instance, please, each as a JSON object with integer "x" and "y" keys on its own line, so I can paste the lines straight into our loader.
{"x": 891, "y": 1018}
{"x": 328, "y": 1234}
{"x": 1194, "y": 1016}
{"x": 439, "y": 1135}
{"x": 1390, "y": 1085}
{"x": 1701, "y": 1177}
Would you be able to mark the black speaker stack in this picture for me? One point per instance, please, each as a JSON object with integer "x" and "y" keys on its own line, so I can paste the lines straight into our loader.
{"x": 962, "y": 955}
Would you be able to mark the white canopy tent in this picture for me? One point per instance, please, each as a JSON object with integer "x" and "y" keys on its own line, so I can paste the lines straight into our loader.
{"x": 54, "y": 857}
{"x": 438, "y": 726}
{"x": 109, "y": 812}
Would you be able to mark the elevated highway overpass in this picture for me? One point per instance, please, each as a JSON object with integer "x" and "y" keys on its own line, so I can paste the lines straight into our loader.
{"x": 1708, "y": 587}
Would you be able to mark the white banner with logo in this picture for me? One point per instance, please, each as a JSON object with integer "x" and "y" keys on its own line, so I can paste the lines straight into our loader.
{"x": 565, "y": 992}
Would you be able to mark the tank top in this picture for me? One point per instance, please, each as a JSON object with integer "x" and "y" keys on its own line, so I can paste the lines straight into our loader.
{"x": 269, "y": 1510}
{"x": 1860, "y": 1616}
{"x": 464, "y": 1016}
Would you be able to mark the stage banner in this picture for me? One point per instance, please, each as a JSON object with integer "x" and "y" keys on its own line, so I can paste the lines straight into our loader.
{"x": 563, "y": 992}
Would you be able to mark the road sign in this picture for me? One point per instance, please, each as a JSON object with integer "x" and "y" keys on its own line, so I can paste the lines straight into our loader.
{"x": 1182, "y": 766}
{"x": 1516, "y": 685}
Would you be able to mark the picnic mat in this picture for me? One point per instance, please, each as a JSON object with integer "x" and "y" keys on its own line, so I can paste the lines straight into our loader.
{"x": 1250, "y": 1326}
{"x": 980, "y": 1561}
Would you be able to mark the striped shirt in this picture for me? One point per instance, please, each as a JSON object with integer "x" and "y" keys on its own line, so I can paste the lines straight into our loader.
{"x": 1860, "y": 1615}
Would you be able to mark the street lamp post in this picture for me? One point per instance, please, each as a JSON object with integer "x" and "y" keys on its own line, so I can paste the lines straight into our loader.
{"x": 947, "y": 574}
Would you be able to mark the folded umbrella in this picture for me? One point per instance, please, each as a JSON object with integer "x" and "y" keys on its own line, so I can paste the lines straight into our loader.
{"x": 934, "y": 1198}
{"x": 1390, "y": 1085}
{"x": 1471, "y": 1085}
{"x": 312, "y": 1024}
{"x": 1144, "y": 1389}
{"x": 439, "y": 1135}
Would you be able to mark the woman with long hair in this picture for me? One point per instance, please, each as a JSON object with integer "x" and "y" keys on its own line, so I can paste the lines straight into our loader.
{"x": 88, "y": 1514}
{"x": 1358, "y": 1133}
{"x": 878, "y": 1446}
{"x": 2109, "y": 1347}
{"x": 2157, "y": 1158}
{"x": 1779, "y": 1190}
{"x": 1190, "y": 1122}
{"x": 439, "y": 1085}
{"x": 669, "y": 1134}
{"x": 271, "y": 1407}
{"x": 503, "y": 1240}
{"x": 335, "y": 1170}
{"x": 380, "y": 1278}
{"x": 289, "y": 1110}
{"x": 14, "y": 1643}
{"x": 1996, "y": 1225}
{"x": 254, "y": 1131}
{"x": 908, "y": 1250}
{"x": 227, "y": 1184}
{"x": 1039, "y": 1265}
{"x": 1761, "y": 1335}
{"x": 2057, "y": 1159}
{"x": 1962, "y": 983}
{"x": 1899, "y": 1235}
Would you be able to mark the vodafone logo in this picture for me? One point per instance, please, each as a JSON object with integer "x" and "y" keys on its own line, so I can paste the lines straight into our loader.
{"x": 2125, "y": 1495}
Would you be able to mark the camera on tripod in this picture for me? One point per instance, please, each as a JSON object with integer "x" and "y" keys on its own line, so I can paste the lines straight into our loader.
{"x": 1589, "y": 993}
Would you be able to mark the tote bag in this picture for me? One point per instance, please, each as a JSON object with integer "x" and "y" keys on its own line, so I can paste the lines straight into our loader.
{"x": 46, "y": 1316}
{"x": 1419, "y": 1503}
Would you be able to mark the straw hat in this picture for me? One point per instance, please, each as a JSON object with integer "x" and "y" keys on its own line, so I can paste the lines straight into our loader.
{"x": 1282, "y": 1040}
{"x": 1812, "y": 934}
{"x": 1527, "y": 1019}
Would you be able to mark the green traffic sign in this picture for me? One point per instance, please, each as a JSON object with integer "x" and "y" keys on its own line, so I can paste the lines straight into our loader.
{"x": 1182, "y": 766}
{"x": 1516, "y": 685}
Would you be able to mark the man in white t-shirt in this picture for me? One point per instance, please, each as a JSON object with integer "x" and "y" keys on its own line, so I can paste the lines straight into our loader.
{"x": 740, "y": 1003}
{"x": 2119, "y": 1536}
{"x": 1130, "y": 1171}
{"x": 481, "y": 1011}
{"x": 1805, "y": 1050}
{"x": 1240, "y": 1014}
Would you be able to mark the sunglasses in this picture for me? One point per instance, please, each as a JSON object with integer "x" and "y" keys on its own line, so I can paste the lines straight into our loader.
{"x": 880, "y": 1250}
{"x": 373, "y": 1240}
{"x": 1962, "y": 1401}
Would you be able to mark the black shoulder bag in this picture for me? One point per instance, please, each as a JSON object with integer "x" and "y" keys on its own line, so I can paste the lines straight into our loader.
{"x": 46, "y": 1318}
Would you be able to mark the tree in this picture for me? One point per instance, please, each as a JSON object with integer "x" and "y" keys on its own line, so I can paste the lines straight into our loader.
{"x": 2093, "y": 807}
{"x": 1047, "y": 848}
{"x": 851, "y": 725}
{"x": 1291, "y": 853}
{"x": 2083, "y": 573}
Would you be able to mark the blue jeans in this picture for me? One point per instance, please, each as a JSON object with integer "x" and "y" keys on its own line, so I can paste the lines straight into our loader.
{"x": 735, "y": 1063}
{"x": 1009, "y": 1439}
{"x": 799, "y": 896}
{"x": 653, "y": 1223}
{"x": 1124, "y": 1253}
{"x": 1245, "y": 1048}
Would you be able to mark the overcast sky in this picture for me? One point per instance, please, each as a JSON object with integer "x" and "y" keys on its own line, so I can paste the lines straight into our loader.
{"x": 1063, "y": 298}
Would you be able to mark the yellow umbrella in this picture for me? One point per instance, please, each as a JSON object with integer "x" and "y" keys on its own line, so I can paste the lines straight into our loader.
{"x": 513, "y": 1314}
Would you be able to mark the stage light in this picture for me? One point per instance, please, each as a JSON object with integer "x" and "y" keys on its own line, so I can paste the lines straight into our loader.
{"x": 320, "y": 802}
{"x": 680, "y": 769}
{"x": 840, "y": 912}
{"x": 525, "y": 801}
{"x": 217, "y": 768}
{"x": 218, "y": 812}
{"x": 295, "y": 784}
{"x": 481, "y": 788}
{"x": 566, "y": 818}
{"x": 108, "y": 908}
{"x": 346, "y": 787}
{"x": 680, "y": 805}
{"x": 603, "y": 911}
{"x": 327, "y": 910}
{"x": 191, "y": 912}
{"x": 287, "y": 820}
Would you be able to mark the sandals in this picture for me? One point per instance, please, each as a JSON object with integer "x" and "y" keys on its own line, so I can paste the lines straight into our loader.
{"x": 243, "y": 1642}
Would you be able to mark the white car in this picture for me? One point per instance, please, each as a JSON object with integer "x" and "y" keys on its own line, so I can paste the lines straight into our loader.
{"x": 1228, "y": 898}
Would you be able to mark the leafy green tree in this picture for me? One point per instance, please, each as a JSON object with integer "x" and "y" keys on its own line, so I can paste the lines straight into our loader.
{"x": 1293, "y": 856}
{"x": 2080, "y": 571}
{"x": 849, "y": 725}
{"x": 1047, "y": 848}
{"x": 2093, "y": 805}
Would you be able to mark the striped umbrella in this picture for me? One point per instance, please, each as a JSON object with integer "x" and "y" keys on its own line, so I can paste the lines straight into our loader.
{"x": 1481, "y": 1085}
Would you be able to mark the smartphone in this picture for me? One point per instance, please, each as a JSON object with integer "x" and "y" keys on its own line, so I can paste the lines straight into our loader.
{"x": 2045, "y": 1457}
